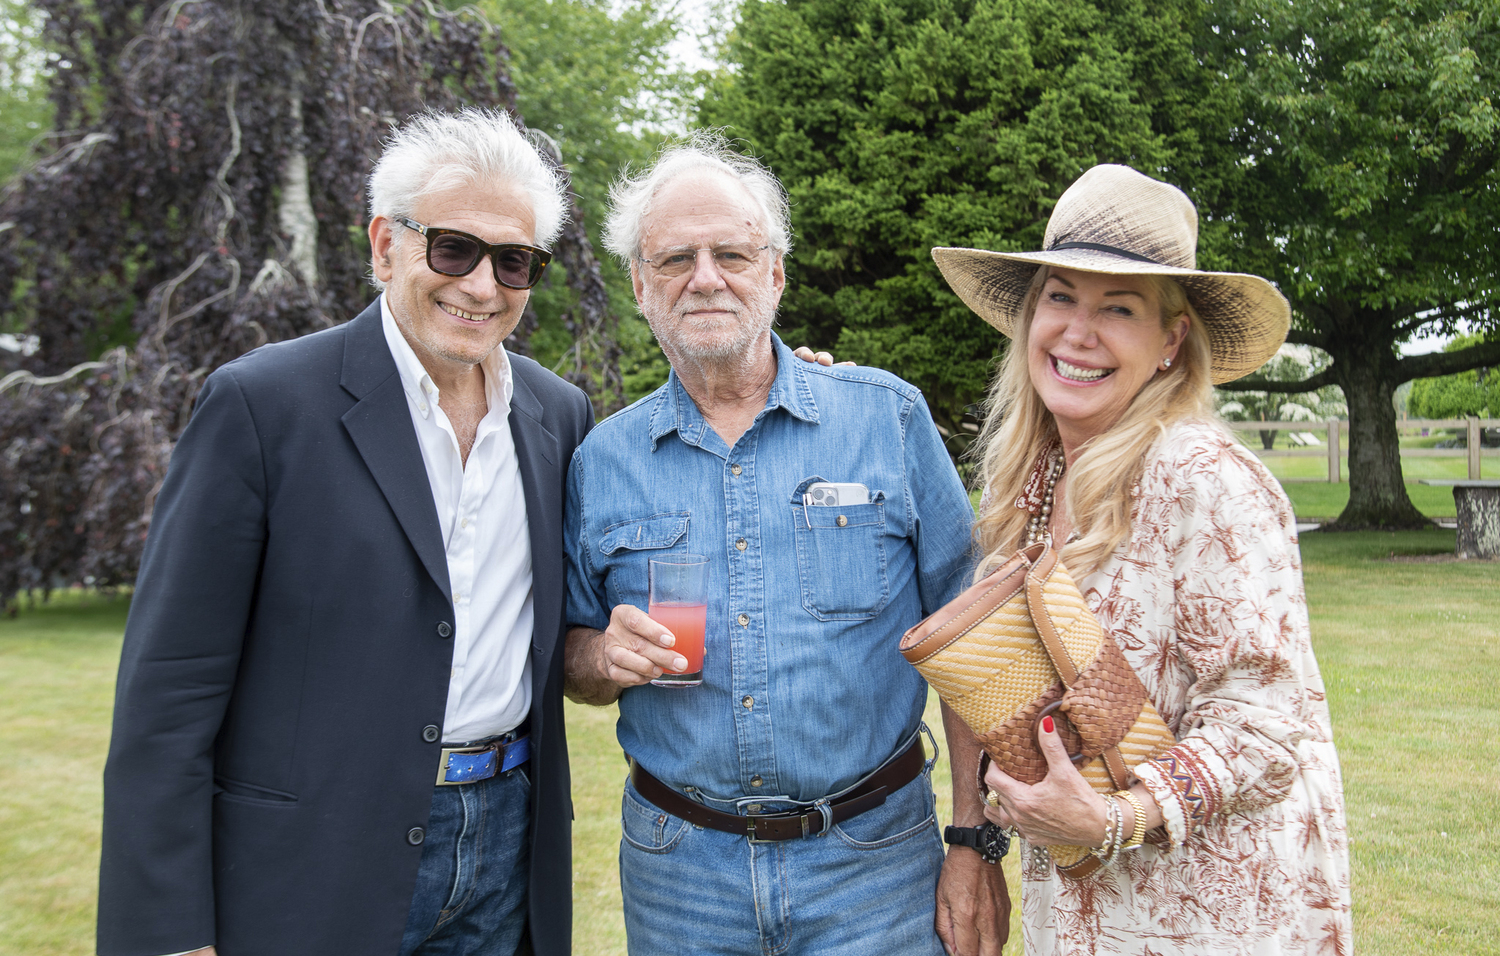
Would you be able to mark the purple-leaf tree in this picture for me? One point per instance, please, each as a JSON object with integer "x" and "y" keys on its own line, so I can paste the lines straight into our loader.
{"x": 201, "y": 194}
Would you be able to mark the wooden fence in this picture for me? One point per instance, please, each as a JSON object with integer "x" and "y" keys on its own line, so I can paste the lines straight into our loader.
{"x": 1332, "y": 430}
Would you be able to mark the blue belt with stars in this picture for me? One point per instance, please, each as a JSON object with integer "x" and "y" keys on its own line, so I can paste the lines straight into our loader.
{"x": 483, "y": 759}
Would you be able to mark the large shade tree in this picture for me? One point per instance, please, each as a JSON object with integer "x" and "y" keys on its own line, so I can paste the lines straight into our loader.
{"x": 1370, "y": 193}
{"x": 899, "y": 125}
{"x": 203, "y": 193}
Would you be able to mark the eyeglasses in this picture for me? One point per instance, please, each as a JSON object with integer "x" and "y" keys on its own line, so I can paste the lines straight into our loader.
{"x": 454, "y": 253}
{"x": 736, "y": 257}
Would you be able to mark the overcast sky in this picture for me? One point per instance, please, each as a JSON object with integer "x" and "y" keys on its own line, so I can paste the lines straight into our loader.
{"x": 693, "y": 18}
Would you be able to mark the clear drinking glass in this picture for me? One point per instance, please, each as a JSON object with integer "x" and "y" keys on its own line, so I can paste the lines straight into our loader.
{"x": 679, "y": 603}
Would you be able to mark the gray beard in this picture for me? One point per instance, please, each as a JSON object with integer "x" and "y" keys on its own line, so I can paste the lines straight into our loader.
{"x": 757, "y": 314}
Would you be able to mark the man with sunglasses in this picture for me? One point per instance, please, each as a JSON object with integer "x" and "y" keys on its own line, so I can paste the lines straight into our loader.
{"x": 338, "y": 723}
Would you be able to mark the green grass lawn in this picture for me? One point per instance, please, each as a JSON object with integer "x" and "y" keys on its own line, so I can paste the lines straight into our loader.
{"x": 1315, "y": 499}
{"x": 1321, "y": 501}
{"x": 57, "y": 679}
{"x": 1408, "y": 652}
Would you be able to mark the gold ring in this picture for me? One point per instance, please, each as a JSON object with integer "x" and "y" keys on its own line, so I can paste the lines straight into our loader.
{"x": 992, "y": 798}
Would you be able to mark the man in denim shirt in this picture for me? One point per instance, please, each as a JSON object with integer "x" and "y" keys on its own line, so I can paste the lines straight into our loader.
{"x": 785, "y": 804}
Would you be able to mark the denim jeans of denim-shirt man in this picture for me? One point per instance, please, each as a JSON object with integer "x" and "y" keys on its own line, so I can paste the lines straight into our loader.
{"x": 804, "y": 690}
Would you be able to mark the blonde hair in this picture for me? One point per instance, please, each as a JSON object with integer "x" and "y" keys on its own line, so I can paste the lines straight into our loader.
{"x": 1018, "y": 428}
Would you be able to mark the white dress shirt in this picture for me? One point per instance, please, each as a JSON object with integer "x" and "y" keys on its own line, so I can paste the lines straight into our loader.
{"x": 481, "y": 510}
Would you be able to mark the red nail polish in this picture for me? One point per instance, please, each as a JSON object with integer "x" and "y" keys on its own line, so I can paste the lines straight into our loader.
{"x": 1047, "y": 724}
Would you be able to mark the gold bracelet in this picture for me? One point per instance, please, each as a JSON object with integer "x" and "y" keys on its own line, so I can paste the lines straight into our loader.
{"x": 1139, "y": 835}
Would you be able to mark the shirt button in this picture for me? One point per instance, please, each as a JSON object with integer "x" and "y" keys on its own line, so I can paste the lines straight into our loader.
{"x": 444, "y": 629}
{"x": 741, "y": 544}
{"x": 423, "y": 407}
{"x": 755, "y": 781}
{"x": 735, "y": 470}
{"x": 744, "y": 620}
{"x": 430, "y": 733}
{"x": 464, "y": 523}
{"x": 748, "y": 701}
{"x": 415, "y": 836}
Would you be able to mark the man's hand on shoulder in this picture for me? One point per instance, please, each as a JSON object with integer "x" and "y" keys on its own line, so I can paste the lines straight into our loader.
{"x": 822, "y": 358}
{"x": 973, "y": 905}
{"x": 633, "y": 650}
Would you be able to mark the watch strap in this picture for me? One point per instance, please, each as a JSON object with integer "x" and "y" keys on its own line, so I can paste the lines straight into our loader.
{"x": 962, "y": 836}
{"x": 989, "y": 840}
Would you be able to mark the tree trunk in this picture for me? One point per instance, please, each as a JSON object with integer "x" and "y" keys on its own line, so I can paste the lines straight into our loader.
{"x": 1366, "y": 370}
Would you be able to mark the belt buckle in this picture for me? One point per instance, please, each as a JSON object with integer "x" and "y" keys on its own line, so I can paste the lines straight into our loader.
{"x": 750, "y": 821}
{"x": 445, "y": 755}
{"x": 801, "y": 814}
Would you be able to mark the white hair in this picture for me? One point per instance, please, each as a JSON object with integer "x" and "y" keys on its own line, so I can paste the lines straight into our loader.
{"x": 631, "y": 197}
{"x": 434, "y": 152}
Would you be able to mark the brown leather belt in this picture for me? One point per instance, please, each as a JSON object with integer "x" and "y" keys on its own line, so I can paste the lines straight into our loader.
{"x": 790, "y": 824}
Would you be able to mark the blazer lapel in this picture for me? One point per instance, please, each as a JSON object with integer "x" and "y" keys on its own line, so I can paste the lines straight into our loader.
{"x": 380, "y": 424}
{"x": 542, "y": 485}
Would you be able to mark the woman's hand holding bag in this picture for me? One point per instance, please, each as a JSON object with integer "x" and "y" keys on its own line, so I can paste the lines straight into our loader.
{"x": 1021, "y": 645}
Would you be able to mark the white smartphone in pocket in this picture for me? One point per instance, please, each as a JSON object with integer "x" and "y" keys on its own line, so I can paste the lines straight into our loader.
{"x": 832, "y": 494}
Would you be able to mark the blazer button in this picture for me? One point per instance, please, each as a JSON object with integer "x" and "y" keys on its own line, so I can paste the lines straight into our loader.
{"x": 445, "y": 629}
{"x": 430, "y": 733}
{"x": 415, "y": 836}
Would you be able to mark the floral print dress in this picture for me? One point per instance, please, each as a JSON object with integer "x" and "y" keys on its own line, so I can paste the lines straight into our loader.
{"x": 1206, "y": 602}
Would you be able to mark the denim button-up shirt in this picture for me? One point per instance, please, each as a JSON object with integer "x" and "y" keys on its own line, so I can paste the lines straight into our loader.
{"x": 804, "y": 687}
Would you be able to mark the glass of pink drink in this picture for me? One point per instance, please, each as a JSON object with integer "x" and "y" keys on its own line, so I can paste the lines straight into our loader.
{"x": 679, "y": 603}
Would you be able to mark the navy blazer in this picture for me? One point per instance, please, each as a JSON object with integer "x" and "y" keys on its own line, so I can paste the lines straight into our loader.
{"x": 288, "y": 643}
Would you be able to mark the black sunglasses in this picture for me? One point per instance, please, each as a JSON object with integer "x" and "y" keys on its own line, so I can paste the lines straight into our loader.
{"x": 454, "y": 253}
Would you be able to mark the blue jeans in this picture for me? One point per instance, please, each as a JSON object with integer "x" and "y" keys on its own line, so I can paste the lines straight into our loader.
{"x": 470, "y": 898}
{"x": 869, "y": 885}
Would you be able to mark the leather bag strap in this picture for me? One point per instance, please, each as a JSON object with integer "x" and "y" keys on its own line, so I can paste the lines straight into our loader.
{"x": 1114, "y": 762}
{"x": 1041, "y": 616}
{"x": 1046, "y": 629}
{"x": 963, "y": 613}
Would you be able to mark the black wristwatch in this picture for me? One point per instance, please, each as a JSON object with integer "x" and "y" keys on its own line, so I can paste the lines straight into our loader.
{"x": 989, "y": 839}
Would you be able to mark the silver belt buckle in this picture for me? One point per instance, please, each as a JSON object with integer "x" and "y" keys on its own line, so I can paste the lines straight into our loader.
{"x": 446, "y": 752}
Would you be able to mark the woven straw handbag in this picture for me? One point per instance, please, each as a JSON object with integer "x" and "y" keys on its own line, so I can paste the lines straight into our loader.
{"x": 1022, "y": 644}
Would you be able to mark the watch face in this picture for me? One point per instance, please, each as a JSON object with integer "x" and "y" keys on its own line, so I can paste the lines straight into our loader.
{"x": 994, "y": 842}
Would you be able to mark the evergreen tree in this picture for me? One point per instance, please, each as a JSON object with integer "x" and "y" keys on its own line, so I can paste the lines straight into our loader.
{"x": 899, "y": 125}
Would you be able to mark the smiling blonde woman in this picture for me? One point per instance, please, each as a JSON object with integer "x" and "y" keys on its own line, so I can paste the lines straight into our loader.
{"x": 1101, "y": 435}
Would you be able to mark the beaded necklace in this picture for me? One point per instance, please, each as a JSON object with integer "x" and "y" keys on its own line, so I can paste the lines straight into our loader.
{"x": 1036, "y": 528}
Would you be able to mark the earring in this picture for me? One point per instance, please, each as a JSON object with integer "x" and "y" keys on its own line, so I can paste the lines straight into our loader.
{"x": 1166, "y": 363}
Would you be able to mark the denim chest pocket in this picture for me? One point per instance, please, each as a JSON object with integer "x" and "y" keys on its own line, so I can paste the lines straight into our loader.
{"x": 841, "y": 557}
{"x": 626, "y": 547}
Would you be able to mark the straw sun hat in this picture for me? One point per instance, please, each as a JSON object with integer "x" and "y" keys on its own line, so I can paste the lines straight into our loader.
{"x": 1115, "y": 220}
